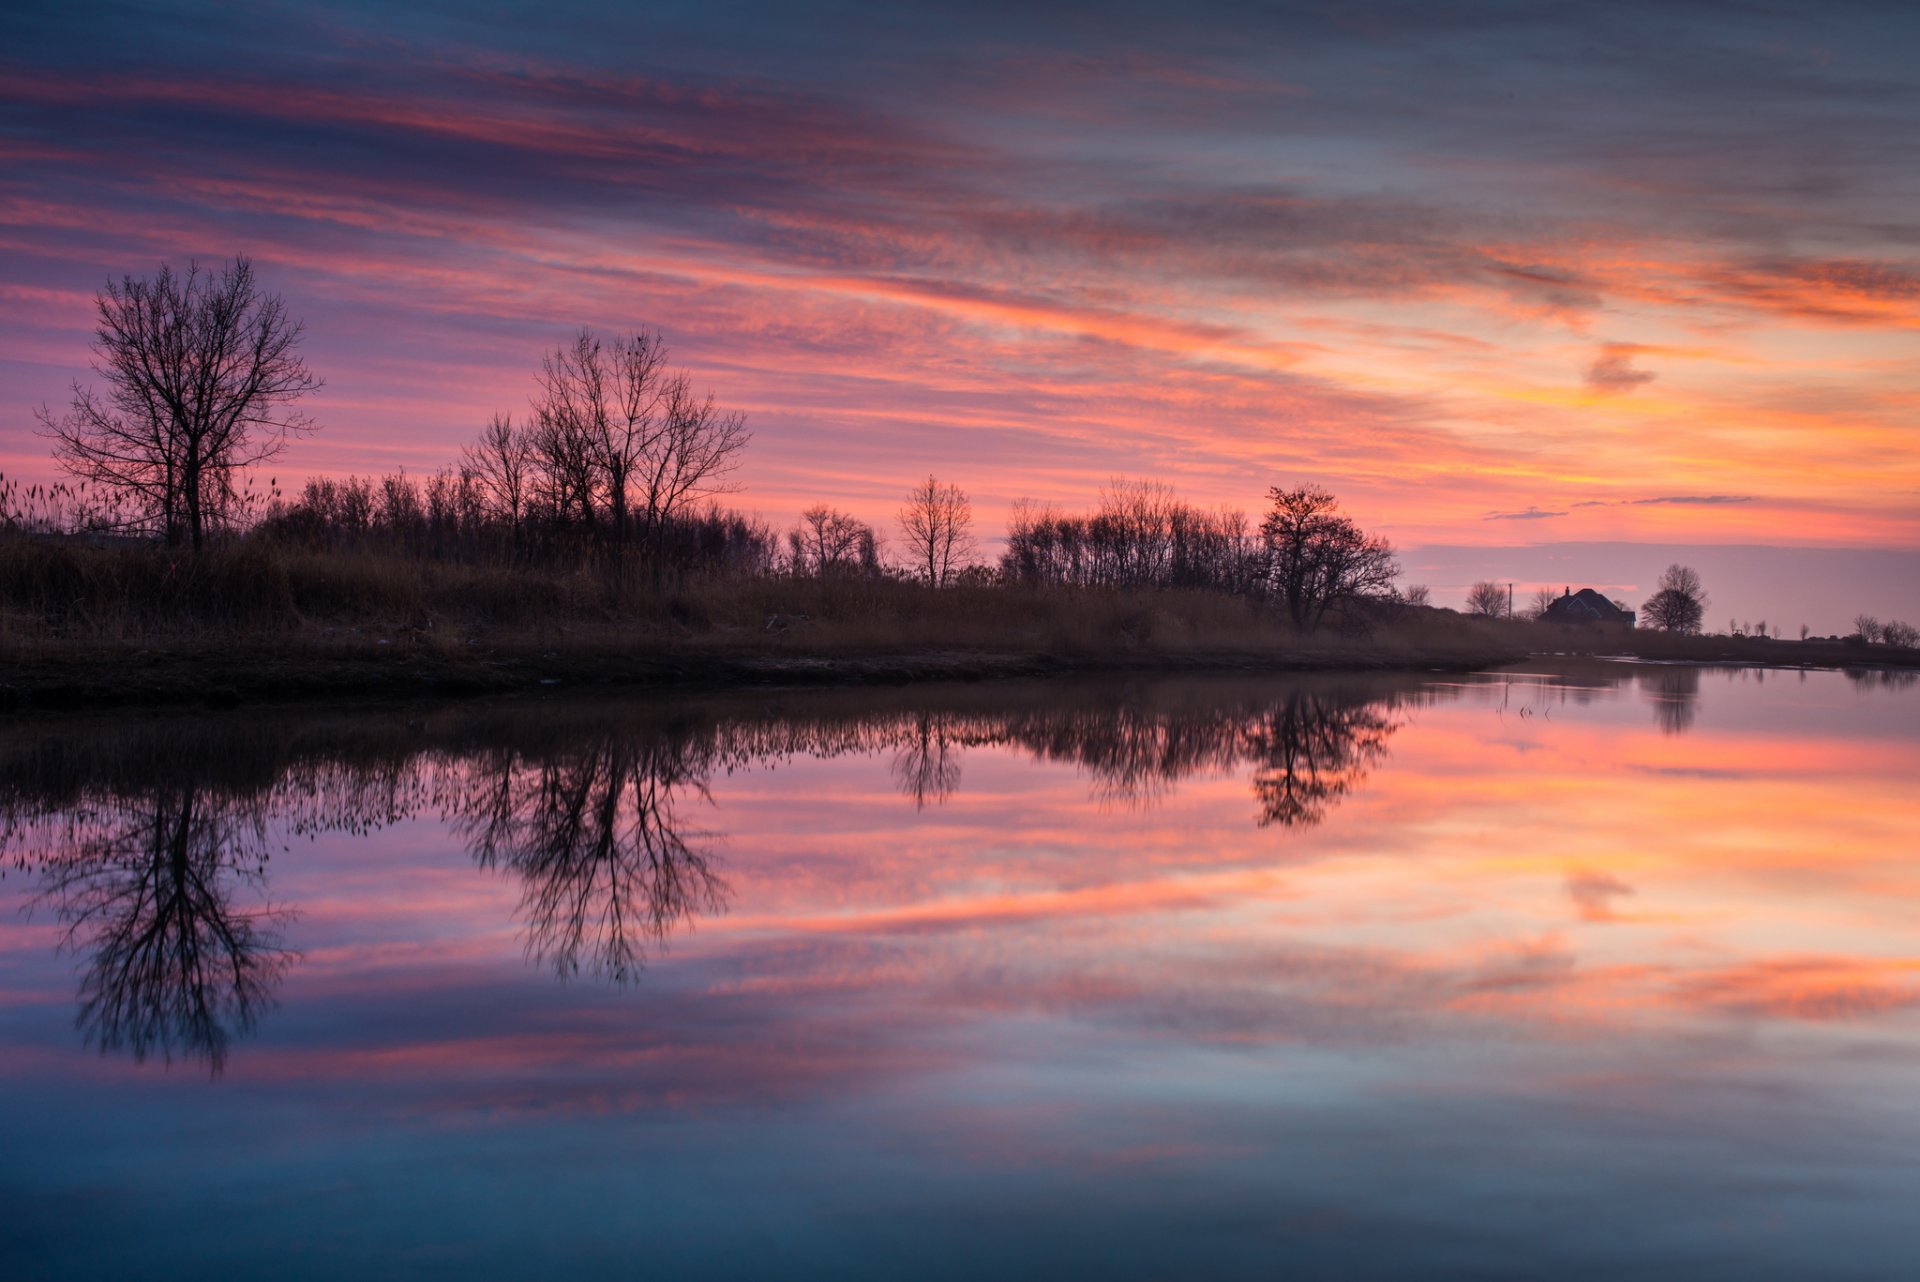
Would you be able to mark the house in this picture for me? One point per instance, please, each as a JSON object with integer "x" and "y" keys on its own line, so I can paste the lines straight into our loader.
{"x": 1586, "y": 607}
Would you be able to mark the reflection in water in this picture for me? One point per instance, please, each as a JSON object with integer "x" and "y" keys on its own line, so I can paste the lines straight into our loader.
{"x": 147, "y": 841}
{"x": 927, "y": 764}
{"x": 145, "y": 863}
{"x": 148, "y": 889}
{"x": 1883, "y": 678}
{"x": 596, "y": 834}
{"x": 1675, "y": 692}
{"x": 1312, "y": 752}
{"x": 1371, "y": 927}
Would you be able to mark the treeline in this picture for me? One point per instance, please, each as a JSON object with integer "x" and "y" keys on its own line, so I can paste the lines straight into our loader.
{"x": 616, "y": 456}
{"x": 450, "y": 515}
{"x": 618, "y": 463}
{"x": 1140, "y": 535}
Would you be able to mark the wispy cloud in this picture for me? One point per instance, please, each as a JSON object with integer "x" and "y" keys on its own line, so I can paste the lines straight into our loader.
{"x": 1613, "y": 370}
{"x": 1033, "y": 253}
{"x": 1675, "y": 500}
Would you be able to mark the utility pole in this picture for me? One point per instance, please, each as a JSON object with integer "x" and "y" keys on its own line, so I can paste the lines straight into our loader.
{"x": 1509, "y": 599}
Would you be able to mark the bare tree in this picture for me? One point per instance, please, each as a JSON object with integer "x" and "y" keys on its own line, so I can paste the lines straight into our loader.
{"x": 570, "y": 423}
{"x": 831, "y": 542}
{"x": 1866, "y": 627}
{"x": 202, "y": 372}
{"x": 1417, "y": 594}
{"x": 1894, "y": 632}
{"x": 1543, "y": 599}
{"x": 1317, "y": 558}
{"x": 502, "y": 463}
{"x": 1140, "y": 536}
{"x": 686, "y": 461}
{"x": 1487, "y": 598}
{"x": 1680, "y": 604}
{"x": 630, "y": 434}
{"x": 938, "y": 523}
{"x": 615, "y": 431}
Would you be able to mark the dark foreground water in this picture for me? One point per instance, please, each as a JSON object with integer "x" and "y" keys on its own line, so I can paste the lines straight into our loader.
{"x": 1597, "y": 972}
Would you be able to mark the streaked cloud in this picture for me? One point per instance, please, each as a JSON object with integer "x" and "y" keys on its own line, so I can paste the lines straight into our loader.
{"x": 1033, "y": 251}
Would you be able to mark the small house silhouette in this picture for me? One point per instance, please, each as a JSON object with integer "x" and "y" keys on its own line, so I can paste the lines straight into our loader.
{"x": 1586, "y": 607}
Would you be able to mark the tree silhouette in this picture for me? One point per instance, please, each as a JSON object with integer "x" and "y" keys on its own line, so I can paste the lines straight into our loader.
{"x": 202, "y": 371}
{"x": 1318, "y": 559}
{"x": 937, "y": 525}
{"x": 1487, "y": 598}
{"x": 1680, "y": 604}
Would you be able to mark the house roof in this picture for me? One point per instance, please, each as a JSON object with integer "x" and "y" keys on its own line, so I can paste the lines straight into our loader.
{"x": 1587, "y": 606}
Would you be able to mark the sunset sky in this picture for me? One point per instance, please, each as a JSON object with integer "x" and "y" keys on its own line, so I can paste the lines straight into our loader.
{"x": 1502, "y": 276}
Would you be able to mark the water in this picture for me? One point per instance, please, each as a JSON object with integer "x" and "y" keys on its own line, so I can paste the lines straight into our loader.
{"x": 1588, "y": 971}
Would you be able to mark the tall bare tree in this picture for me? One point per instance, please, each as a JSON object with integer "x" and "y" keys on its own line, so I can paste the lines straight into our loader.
{"x": 938, "y": 524}
{"x": 687, "y": 460}
{"x": 618, "y": 434}
{"x": 502, "y": 462}
{"x": 202, "y": 371}
{"x": 570, "y": 415}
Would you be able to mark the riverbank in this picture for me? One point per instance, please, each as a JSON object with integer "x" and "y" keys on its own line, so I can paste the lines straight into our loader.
{"x": 84, "y": 627}
{"x": 300, "y": 669}
{"x": 113, "y": 676}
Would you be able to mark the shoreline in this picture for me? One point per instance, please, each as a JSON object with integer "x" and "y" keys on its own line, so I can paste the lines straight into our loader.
{"x": 133, "y": 676}
{"x": 174, "y": 678}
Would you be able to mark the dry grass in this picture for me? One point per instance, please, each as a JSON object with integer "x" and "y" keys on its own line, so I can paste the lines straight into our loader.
{"x": 65, "y": 597}
{"x": 133, "y": 623}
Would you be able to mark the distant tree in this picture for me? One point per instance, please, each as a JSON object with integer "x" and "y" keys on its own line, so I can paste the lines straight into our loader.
{"x": 1140, "y": 536}
{"x": 572, "y": 403}
{"x": 501, "y": 462}
{"x": 688, "y": 461}
{"x": 597, "y": 416}
{"x": 1487, "y": 598}
{"x": 618, "y": 435}
{"x": 1543, "y": 599}
{"x": 1416, "y": 594}
{"x": 828, "y": 542}
{"x": 937, "y": 523}
{"x": 1679, "y": 604}
{"x": 1905, "y": 635}
{"x": 1804, "y": 629}
{"x": 202, "y": 371}
{"x": 1867, "y": 628}
{"x": 1318, "y": 559}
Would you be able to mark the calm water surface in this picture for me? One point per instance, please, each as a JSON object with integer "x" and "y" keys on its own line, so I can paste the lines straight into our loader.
{"x": 1591, "y": 971}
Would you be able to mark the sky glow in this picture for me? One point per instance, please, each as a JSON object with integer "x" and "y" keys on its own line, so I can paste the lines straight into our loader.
{"x": 1498, "y": 275}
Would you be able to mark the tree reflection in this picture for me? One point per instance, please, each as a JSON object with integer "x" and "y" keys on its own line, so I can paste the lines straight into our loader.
{"x": 596, "y": 835}
{"x": 1882, "y": 678}
{"x": 1309, "y": 746}
{"x": 151, "y": 842}
{"x": 148, "y": 889}
{"x": 1675, "y": 692}
{"x": 1311, "y": 751}
{"x": 927, "y": 763}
